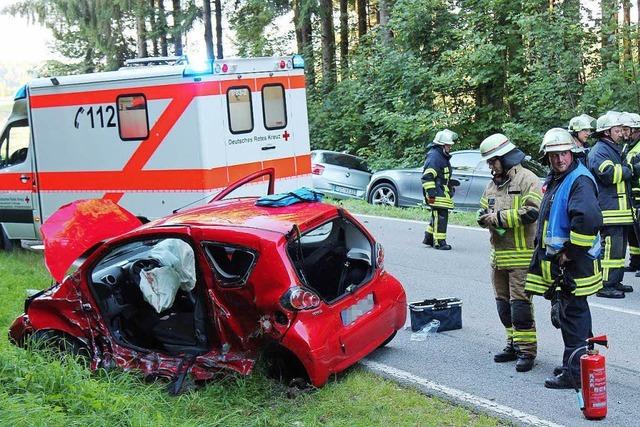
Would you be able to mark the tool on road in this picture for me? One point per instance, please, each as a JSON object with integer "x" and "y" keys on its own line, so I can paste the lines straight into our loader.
{"x": 447, "y": 310}
{"x": 593, "y": 397}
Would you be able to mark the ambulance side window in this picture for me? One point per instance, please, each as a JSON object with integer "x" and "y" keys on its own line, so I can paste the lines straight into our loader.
{"x": 133, "y": 119}
{"x": 274, "y": 107}
{"x": 14, "y": 144}
{"x": 240, "y": 109}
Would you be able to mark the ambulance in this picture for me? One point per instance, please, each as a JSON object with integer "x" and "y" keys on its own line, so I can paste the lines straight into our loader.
{"x": 153, "y": 138}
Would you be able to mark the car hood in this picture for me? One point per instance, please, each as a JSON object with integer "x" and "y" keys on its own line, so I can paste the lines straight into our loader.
{"x": 74, "y": 228}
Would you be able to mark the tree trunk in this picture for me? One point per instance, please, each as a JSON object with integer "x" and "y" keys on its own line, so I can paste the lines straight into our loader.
{"x": 162, "y": 25}
{"x": 362, "y": 17}
{"x": 218, "y": 11}
{"x": 609, "y": 51}
{"x": 626, "y": 31}
{"x": 328, "y": 42}
{"x": 176, "y": 33}
{"x": 344, "y": 39}
{"x": 638, "y": 36}
{"x": 154, "y": 27}
{"x": 383, "y": 13}
{"x": 296, "y": 24}
{"x": 141, "y": 31}
{"x": 208, "y": 35}
{"x": 306, "y": 32}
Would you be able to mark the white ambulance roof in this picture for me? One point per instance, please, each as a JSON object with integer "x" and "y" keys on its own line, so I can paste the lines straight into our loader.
{"x": 233, "y": 65}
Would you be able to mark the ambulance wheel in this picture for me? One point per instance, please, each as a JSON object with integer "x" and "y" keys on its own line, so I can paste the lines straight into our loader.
{"x": 384, "y": 193}
{"x": 388, "y": 340}
{"x": 6, "y": 244}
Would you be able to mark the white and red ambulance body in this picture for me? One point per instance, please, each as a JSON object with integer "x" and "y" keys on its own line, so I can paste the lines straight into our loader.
{"x": 152, "y": 138}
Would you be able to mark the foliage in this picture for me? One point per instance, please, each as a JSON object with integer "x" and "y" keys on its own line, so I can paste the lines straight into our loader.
{"x": 39, "y": 389}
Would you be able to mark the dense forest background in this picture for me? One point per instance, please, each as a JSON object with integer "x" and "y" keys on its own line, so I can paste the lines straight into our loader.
{"x": 384, "y": 75}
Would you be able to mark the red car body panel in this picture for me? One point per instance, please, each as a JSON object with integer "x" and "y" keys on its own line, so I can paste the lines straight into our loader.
{"x": 242, "y": 320}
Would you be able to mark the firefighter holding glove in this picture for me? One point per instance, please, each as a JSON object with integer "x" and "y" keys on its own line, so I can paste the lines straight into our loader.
{"x": 607, "y": 164}
{"x": 436, "y": 176}
{"x": 510, "y": 206}
{"x": 567, "y": 249}
{"x": 632, "y": 122}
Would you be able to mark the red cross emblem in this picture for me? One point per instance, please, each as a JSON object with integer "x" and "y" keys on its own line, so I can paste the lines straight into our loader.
{"x": 286, "y": 135}
{"x": 26, "y": 199}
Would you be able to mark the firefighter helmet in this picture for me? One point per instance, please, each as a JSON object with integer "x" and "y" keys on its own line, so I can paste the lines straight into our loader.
{"x": 496, "y": 145}
{"x": 558, "y": 139}
{"x": 445, "y": 137}
{"x": 609, "y": 120}
{"x": 631, "y": 120}
{"x": 581, "y": 122}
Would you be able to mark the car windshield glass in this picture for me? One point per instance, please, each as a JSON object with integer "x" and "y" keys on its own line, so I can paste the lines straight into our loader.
{"x": 464, "y": 160}
{"x": 346, "y": 161}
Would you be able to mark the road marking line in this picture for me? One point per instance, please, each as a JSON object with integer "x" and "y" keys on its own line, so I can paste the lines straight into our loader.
{"x": 612, "y": 308}
{"x": 415, "y": 221}
{"x": 460, "y": 395}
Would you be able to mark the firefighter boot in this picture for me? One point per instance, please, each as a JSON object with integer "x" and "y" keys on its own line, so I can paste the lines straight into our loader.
{"x": 508, "y": 354}
{"x": 624, "y": 288}
{"x": 524, "y": 363}
{"x": 443, "y": 246}
{"x": 428, "y": 239}
{"x": 562, "y": 381}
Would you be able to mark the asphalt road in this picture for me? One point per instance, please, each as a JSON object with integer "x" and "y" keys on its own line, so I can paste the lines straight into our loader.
{"x": 459, "y": 364}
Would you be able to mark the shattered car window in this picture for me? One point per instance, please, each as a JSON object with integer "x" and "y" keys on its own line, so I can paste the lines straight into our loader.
{"x": 231, "y": 264}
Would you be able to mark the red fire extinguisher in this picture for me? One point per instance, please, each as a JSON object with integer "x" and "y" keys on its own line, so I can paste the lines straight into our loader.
{"x": 593, "y": 397}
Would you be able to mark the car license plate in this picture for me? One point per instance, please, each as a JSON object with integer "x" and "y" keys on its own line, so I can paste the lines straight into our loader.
{"x": 353, "y": 313}
{"x": 345, "y": 190}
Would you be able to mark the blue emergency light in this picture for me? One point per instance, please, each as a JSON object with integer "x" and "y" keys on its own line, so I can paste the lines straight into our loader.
{"x": 198, "y": 68}
{"x": 298, "y": 61}
{"x": 21, "y": 93}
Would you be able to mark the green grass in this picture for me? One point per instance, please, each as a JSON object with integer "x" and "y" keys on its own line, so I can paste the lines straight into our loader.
{"x": 467, "y": 218}
{"x": 40, "y": 390}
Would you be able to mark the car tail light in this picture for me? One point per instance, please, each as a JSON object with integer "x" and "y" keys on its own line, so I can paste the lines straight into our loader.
{"x": 317, "y": 169}
{"x": 379, "y": 256}
{"x": 300, "y": 299}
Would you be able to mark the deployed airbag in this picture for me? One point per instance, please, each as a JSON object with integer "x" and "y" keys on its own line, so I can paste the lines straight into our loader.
{"x": 177, "y": 270}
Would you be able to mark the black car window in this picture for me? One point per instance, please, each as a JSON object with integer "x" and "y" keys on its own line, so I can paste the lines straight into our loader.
{"x": 467, "y": 161}
{"x": 346, "y": 161}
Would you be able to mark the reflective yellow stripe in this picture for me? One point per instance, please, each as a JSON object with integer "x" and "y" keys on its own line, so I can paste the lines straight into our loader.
{"x": 484, "y": 203}
{"x": 633, "y": 250}
{"x": 581, "y": 239}
{"x": 617, "y": 174}
{"x": 544, "y": 233}
{"x": 546, "y": 271}
{"x": 605, "y": 165}
{"x": 617, "y": 216}
{"x": 524, "y": 336}
{"x": 621, "y": 188}
{"x": 509, "y": 332}
{"x": 536, "y": 284}
{"x": 531, "y": 195}
{"x": 428, "y": 185}
{"x": 429, "y": 171}
{"x": 606, "y": 256}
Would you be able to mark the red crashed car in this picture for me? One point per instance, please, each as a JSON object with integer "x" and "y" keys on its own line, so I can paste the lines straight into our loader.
{"x": 215, "y": 287}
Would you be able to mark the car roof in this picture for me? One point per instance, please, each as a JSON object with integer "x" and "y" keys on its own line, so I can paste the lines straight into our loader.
{"x": 244, "y": 213}
{"x": 336, "y": 152}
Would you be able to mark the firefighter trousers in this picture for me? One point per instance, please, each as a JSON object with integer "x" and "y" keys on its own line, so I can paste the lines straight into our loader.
{"x": 634, "y": 247}
{"x": 575, "y": 325}
{"x": 438, "y": 225}
{"x": 515, "y": 309}
{"x": 614, "y": 251}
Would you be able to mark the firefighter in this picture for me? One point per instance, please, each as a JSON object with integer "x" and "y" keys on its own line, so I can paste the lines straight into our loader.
{"x": 581, "y": 128}
{"x": 510, "y": 206}
{"x": 612, "y": 173}
{"x": 565, "y": 266}
{"x": 632, "y": 122}
{"x": 436, "y": 174}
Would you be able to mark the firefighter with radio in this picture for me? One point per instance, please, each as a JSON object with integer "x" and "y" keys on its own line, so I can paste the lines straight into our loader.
{"x": 565, "y": 267}
{"x": 509, "y": 209}
{"x": 436, "y": 177}
{"x": 612, "y": 172}
{"x": 631, "y": 128}
{"x": 581, "y": 128}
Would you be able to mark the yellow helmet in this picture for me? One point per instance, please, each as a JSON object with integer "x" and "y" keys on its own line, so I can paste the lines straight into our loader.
{"x": 496, "y": 145}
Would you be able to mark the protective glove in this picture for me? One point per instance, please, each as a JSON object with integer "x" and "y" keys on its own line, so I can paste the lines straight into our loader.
{"x": 479, "y": 215}
{"x": 489, "y": 220}
{"x": 555, "y": 312}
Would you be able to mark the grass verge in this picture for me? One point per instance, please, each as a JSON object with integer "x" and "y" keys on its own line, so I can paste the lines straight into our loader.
{"x": 40, "y": 390}
{"x": 467, "y": 218}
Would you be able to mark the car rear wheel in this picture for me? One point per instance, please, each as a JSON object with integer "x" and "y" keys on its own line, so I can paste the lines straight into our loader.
{"x": 57, "y": 343}
{"x": 384, "y": 194}
{"x": 388, "y": 340}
